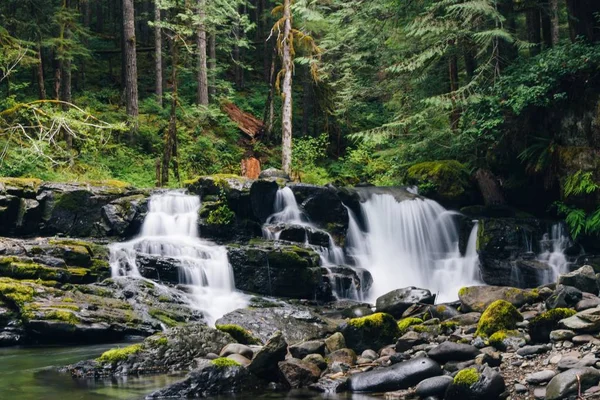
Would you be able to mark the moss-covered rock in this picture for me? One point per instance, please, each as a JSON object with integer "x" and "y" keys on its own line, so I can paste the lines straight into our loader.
{"x": 541, "y": 326}
{"x": 370, "y": 332}
{"x": 478, "y": 298}
{"x": 466, "y": 377}
{"x": 500, "y": 315}
{"x": 119, "y": 354}
{"x": 240, "y": 334}
{"x": 445, "y": 180}
{"x": 406, "y": 323}
{"x": 223, "y": 362}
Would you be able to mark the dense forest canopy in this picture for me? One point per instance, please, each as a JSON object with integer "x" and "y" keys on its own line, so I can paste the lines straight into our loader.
{"x": 497, "y": 95}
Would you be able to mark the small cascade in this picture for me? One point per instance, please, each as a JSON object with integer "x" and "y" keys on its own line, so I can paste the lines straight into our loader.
{"x": 553, "y": 246}
{"x": 170, "y": 230}
{"x": 412, "y": 243}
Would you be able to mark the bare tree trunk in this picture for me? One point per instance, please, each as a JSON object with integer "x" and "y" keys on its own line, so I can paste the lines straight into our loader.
{"x": 202, "y": 75}
{"x": 307, "y": 101}
{"x": 555, "y": 22}
{"x": 236, "y": 57}
{"x": 212, "y": 65}
{"x": 99, "y": 16}
{"x": 286, "y": 118}
{"x": 453, "y": 74}
{"x": 130, "y": 58}
{"x": 268, "y": 118}
{"x": 40, "y": 74}
{"x": 532, "y": 20}
{"x": 158, "y": 72}
{"x": 546, "y": 20}
{"x": 171, "y": 134}
{"x": 489, "y": 187}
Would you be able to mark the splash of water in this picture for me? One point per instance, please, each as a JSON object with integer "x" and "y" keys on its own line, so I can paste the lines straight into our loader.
{"x": 412, "y": 243}
{"x": 553, "y": 247}
{"x": 170, "y": 229}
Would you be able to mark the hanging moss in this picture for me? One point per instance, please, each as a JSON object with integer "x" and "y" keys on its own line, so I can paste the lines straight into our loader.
{"x": 500, "y": 315}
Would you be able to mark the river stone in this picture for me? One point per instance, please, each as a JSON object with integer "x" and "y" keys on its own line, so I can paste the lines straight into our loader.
{"x": 566, "y": 383}
{"x": 450, "y": 351}
{"x": 564, "y": 297}
{"x": 409, "y": 340}
{"x": 443, "y": 312}
{"x": 540, "y": 377}
{"x": 301, "y": 350}
{"x": 297, "y": 373}
{"x": 210, "y": 380}
{"x": 587, "y": 301}
{"x": 583, "y": 279}
{"x": 399, "y": 300}
{"x": 330, "y": 385}
{"x": 489, "y": 386}
{"x": 236, "y": 348}
{"x": 561, "y": 334}
{"x": 317, "y": 360}
{"x": 532, "y": 350}
{"x": 399, "y": 376}
{"x": 434, "y": 387}
{"x": 345, "y": 356}
{"x": 240, "y": 359}
{"x": 478, "y": 298}
{"x": 369, "y": 354}
{"x": 265, "y": 360}
{"x": 584, "y": 321}
{"x": 471, "y": 318}
{"x": 335, "y": 342}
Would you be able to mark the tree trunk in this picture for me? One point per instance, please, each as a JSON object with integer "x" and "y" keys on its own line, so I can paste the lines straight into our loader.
{"x": 470, "y": 62}
{"x": 582, "y": 19}
{"x": 236, "y": 57}
{"x": 212, "y": 65}
{"x": 99, "y": 16}
{"x": 130, "y": 57}
{"x": 40, "y": 74}
{"x": 286, "y": 118}
{"x": 158, "y": 73}
{"x": 555, "y": 22}
{"x": 532, "y": 21}
{"x": 170, "y": 141}
{"x": 307, "y": 101}
{"x": 453, "y": 75}
{"x": 507, "y": 51}
{"x": 202, "y": 75}
{"x": 546, "y": 20}
{"x": 268, "y": 118}
{"x": 489, "y": 187}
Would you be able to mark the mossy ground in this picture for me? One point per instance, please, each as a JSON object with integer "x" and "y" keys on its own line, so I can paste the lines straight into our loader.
{"x": 500, "y": 315}
{"x": 119, "y": 354}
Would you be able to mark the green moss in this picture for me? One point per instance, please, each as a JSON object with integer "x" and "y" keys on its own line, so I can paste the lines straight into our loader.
{"x": 221, "y": 216}
{"x": 225, "y": 363}
{"x": 15, "y": 292}
{"x": 541, "y": 326}
{"x": 286, "y": 258}
{"x": 449, "y": 325}
{"x": 119, "y": 354}
{"x": 448, "y": 178}
{"x": 240, "y": 334}
{"x": 168, "y": 319}
{"x": 463, "y": 291}
{"x": 497, "y": 339}
{"x": 381, "y": 323}
{"x": 500, "y": 315}
{"x": 441, "y": 309}
{"x": 64, "y": 316}
{"x": 164, "y": 299}
{"x": 420, "y": 328}
{"x": 67, "y": 307}
{"x": 554, "y": 315}
{"x": 466, "y": 377}
{"x": 405, "y": 323}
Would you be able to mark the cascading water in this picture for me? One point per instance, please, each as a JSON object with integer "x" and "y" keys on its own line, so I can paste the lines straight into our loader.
{"x": 553, "y": 247}
{"x": 170, "y": 230}
{"x": 412, "y": 243}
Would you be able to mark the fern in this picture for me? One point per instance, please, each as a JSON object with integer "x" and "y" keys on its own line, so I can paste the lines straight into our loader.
{"x": 580, "y": 183}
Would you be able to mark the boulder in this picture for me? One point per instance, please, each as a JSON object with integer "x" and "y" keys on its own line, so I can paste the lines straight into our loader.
{"x": 348, "y": 282}
{"x": 541, "y": 326}
{"x": 409, "y": 340}
{"x": 433, "y": 387}
{"x": 297, "y": 373}
{"x": 287, "y": 271}
{"x": 236, "y": 348}
{"x": 212, "y": 378}
{"x": 478, "y": 298}
{"x": 272, "y": 173}
{"x": 240, "y": 359}
{"x": 583, "y": 279}
{"x": 584, "y": 321}
{"x": 303, "y": 349}
{"x": 370, "y": 332}
{"x": 443, "y": 312}
{"x": 317, "y": 360}
{"x": 399, "y": 300}
{"x": 323, "y": 206}
{"x": 262, "y": 198}
{"x": 469, "y": 384}
{"x": 124, "y": 216}
{"x": 569, "y": 382}
{"x": 264, "y": 363}
{"x": 499, "y": 316}
{"x": 451, "y": 351}
{"x": 344, "y": 356}
{"x": 540, "y": 377}
{"x": 564, "y": 297}
{"x": 335, "y": 342}
{"x": 588, "y": 300}
{"x": 399, "y": 376}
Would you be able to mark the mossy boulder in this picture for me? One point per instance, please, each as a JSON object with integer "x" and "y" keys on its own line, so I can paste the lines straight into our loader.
{"x": 478, "y": 298}
{"x": 474, "y": 384}
{"x": 503, "y": 340}
{"x": 406, "y": 323}
{"x": 541, "y": 326}
{"x": 240, "y": 334}
{"x": 371, "y": 332}
{"x": 119, "y": 354}
{"x": 444, "y": 180}
{"x": 500, "y": 315}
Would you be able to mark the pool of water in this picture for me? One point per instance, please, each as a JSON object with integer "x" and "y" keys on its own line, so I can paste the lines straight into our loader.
{"x": 30, "y": 374}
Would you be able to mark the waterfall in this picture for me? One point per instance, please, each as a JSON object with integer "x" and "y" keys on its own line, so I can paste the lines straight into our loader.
{"x": 412, "y": 243}
{"x": 553, "y": 247}
{"x": 170, "y": 230}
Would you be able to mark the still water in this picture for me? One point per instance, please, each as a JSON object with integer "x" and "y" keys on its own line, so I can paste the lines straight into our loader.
{"x": 30, "y": 374}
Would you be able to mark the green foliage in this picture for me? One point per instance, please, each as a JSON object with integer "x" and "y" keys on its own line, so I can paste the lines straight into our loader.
{"x": 221, "y": 216}
{"x": 578, "y": 220}
{"x": 448, "y": 178}
{"x": 305, "y": 155}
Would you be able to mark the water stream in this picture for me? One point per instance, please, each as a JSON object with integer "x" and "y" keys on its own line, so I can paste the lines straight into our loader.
{"x": 553, "y": 246}
{"x": 171, "y": 230}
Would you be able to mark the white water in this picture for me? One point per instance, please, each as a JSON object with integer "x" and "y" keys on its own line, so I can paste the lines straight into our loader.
{"x": 553, "y": 247}
{"x": 412, "y": 243}
{"x": 171, "y": 230}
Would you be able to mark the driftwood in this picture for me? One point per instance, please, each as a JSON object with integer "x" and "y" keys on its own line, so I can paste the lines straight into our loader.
{"x": 247, "y": 123}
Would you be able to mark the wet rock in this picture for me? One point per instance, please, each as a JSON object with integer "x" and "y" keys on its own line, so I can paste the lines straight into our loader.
{"x": 297, "y": 323}
{"x": 567, "y": 383}
{"x": 330, "y": 385}
{"x": 335, "y": 342}
{"x": 297, "y": 373}
{"x": 369, "y": 354}
{"x": 583, "y": 279}
{"x": 433, "y": 387}
{"x": 561, "y": 334}
{"x": 236, "y": 348}
{"x": 532, "y": 350}
{"x": 399, "y": 300}
{"x": 303, "y": 349}
{"x": 584, "y": 321}
{"x": 262, "y": 198}
{"x": 317, "y": 360}
{"x": 470, "y": 384}
{"x": 450, "y": 351}
{"x": 370, "y": 332}
{"x": 356, "y": 312}
{"x": 345, "y": 356}
{"x": 273, "y": 173}
{"x": 208, "y": 380}
{"x": 323, "y": 206}
{"x": 564, "y": 297}
{"x": 540, "y": 377}
{"x": 265, "y": 360}
{"x": 471, "y": 318}
{"x": 520, "y": 388}
{"x": 399, "y": 376}
{"x": 123, "y": 217}
{"x": 478, "y": 298}
{"x": 240, "y": 359}
{"x": 408, "y": 341}
{"x": 541, "y": 326}
{"x": 443, "y": 312}
{"x": 587, "y": 301}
